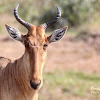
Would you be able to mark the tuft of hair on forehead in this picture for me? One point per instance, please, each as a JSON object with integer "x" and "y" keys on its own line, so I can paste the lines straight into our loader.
{"x": 40, "y": 32}
{"x": 36, "y": 32}
{"x": 32, "y": 31}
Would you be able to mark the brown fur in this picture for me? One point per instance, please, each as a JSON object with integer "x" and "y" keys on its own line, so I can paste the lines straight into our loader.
{"x": 15, "y": 75}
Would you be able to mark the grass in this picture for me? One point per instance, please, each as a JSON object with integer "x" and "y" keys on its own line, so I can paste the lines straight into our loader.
{"x": 60, "y": 85}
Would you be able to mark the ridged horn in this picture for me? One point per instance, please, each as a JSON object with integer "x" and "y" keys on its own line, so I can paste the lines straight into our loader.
{"x": 26, "y": 24}
{"x": 50, "y": 23}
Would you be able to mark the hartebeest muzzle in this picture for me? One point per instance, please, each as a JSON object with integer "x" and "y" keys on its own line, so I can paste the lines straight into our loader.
{"x": 35, "y": 85}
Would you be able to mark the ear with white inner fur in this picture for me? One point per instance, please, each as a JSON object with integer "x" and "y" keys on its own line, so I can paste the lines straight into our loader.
{"x": 57, "y": 35}
{"x": 14, "y": 33}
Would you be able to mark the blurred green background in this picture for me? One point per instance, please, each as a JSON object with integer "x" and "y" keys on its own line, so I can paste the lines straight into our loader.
{"x": 74, "y": 12}
{"x": 83, "y": 19}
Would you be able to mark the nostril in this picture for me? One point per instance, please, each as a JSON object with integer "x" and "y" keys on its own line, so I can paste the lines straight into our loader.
{"x": 38, "y": 83}
{"x": 34, "y": 85}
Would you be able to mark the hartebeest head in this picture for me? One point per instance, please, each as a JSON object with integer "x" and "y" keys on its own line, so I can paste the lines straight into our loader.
{"x": 36, "y": 43}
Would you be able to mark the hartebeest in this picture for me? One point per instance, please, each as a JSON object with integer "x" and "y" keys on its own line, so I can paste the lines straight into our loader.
{"x": 21, "y": 79}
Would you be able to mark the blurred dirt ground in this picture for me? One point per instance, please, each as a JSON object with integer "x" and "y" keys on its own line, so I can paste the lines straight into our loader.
{"x": 67, "y": 54}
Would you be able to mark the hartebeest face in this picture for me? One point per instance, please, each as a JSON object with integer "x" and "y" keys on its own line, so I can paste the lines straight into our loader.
{"x": 36, "y": 43}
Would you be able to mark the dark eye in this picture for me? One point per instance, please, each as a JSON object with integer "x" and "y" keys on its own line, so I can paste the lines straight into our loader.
{"x": 27, "y": 44}
{"x": 45, "y": 46}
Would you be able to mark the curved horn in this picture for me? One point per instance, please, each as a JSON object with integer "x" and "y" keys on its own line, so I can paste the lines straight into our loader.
{"x": 26, "y": 24}
{"x": 50, "y": 23}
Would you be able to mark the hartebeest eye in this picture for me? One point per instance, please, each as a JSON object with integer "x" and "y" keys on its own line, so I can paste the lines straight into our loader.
{"x": 26, "y": 43}
{"x": 45, "y": 46}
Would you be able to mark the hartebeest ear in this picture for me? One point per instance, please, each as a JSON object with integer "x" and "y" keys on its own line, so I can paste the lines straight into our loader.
{"x": 57, "y": 35}
{"x": 14, "y": 33}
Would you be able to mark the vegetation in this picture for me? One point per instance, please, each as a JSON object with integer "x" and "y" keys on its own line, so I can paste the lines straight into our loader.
{"x": 69, "y": 85}
{"x": 74, "y": 12}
